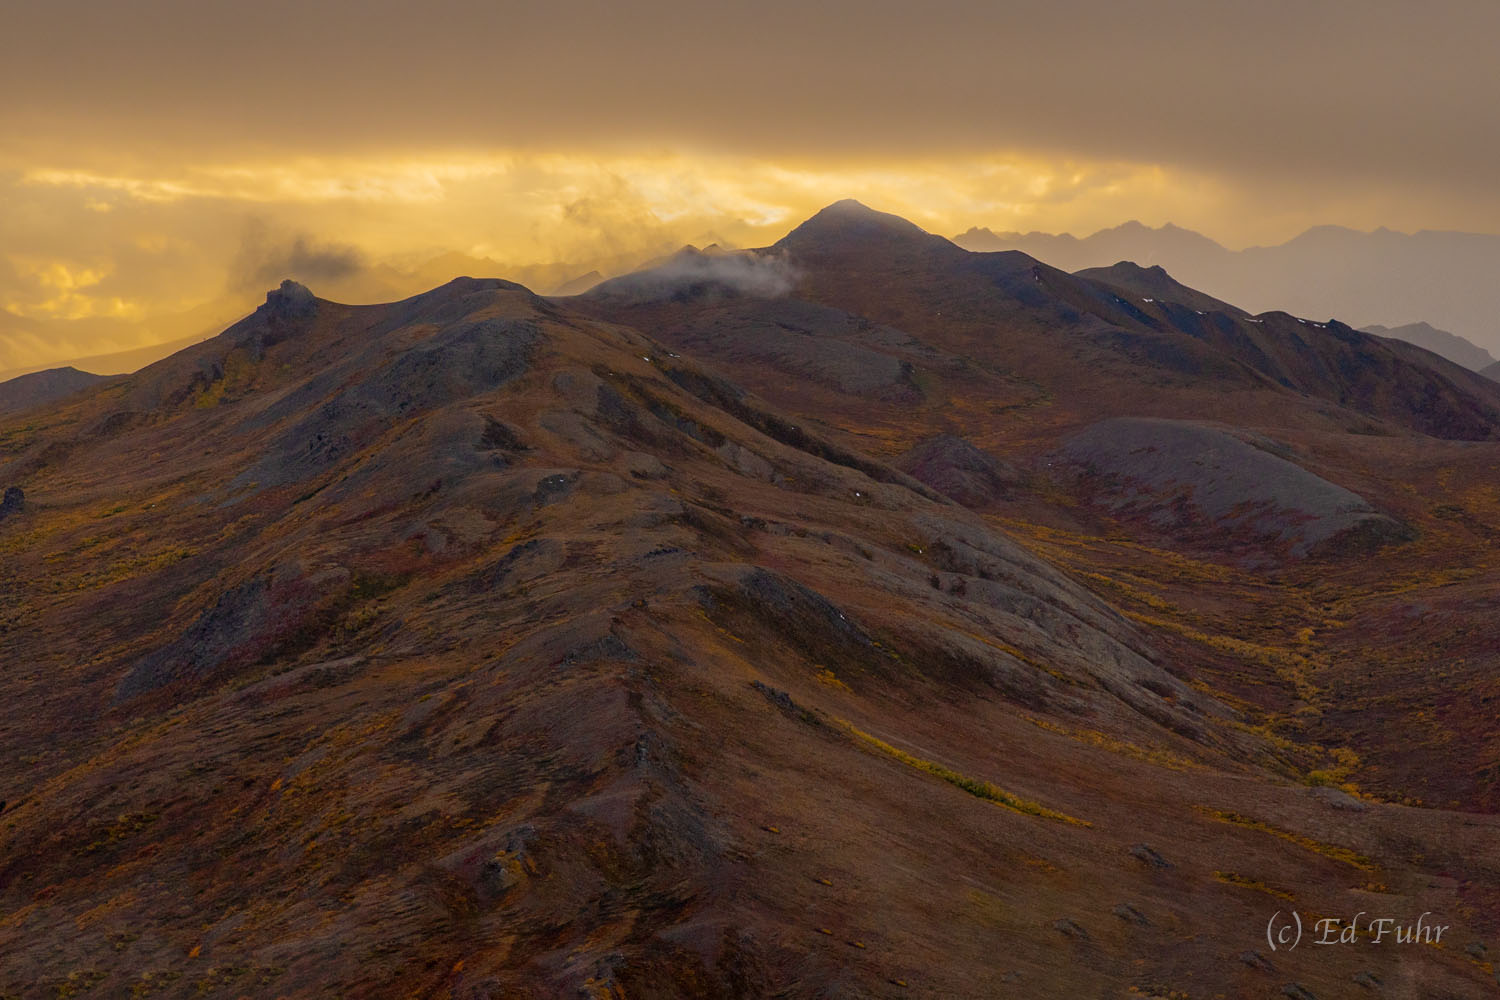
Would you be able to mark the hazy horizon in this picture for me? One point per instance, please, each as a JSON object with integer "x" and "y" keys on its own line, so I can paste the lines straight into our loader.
{"x": 346, "y": 273}
{"x": 172, "y": 154}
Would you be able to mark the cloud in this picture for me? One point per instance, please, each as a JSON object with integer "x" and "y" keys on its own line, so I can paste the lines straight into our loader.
{"x": 612, "y": 219}
{"x": 266, "y": 257}
{"x": 693, "y": 272}
{"x": 1379, "y": 89}
{"x": 208, "y": 237}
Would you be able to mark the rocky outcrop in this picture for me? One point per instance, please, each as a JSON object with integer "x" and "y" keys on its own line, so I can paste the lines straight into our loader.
{"x": 12, "y": 502}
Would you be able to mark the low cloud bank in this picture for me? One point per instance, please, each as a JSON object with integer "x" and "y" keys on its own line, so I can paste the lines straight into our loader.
{"x": 693, "y": 272}
{"x": 265, "y": 258}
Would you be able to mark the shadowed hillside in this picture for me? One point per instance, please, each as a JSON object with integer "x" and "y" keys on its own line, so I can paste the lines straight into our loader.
{"x": 26, "y": 391}
{"x": 1446, "y": 278}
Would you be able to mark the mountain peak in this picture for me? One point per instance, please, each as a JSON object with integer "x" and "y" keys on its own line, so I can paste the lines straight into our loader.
{"x": 292, "y": 298}
{"x": 853, "y": 205}
{"x": 290, "y": 288}
{"x": 849, "y": 223}
{"x": 1154, "y": 270}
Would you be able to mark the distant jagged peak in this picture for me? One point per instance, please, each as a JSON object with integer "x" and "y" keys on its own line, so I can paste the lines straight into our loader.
{"x": 1132, "y": 239}
{"x": 1137, "y": 226}
{"x": 1418, "y": 327}
{"x": 578, "y": 285}
{"x": 1128, "y": 228}
{"x": 1328, "y": 237}
{"x": 1324, "y": 233}
{"x": 985, "y": 234}
{"x": 693, "y": 251}
{"x": 690, "y": 252}
{"x": 1168, "y": 234}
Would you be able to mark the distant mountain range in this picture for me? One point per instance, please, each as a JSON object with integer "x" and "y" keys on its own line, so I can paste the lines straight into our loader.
{"x": 1450, "y": 345}
{"x": 1446, "y": 279}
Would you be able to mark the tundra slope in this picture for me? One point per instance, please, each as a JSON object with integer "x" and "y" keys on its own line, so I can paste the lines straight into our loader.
{"x": 1016, "y": 359}
{"x": 475, "y": 645}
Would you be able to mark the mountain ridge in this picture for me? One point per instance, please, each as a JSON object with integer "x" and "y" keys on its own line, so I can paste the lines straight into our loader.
{"x": 1451, "y": 346}
{"x": 491, "y": 644}
{"x": 1381, "y": 276}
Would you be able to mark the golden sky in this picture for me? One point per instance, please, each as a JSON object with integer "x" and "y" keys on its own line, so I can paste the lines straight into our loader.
{"x": 163, "y": 162}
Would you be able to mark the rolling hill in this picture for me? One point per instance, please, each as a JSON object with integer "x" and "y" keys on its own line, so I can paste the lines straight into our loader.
{"x": 37, "y": 388}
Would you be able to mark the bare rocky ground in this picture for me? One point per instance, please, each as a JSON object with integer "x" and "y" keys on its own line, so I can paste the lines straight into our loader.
{"x": 484, "y": 645}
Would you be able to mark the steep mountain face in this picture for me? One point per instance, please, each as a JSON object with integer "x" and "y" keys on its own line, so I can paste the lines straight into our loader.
{"x": 1441, "y": 342}
{"x": 488, "y": 645}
